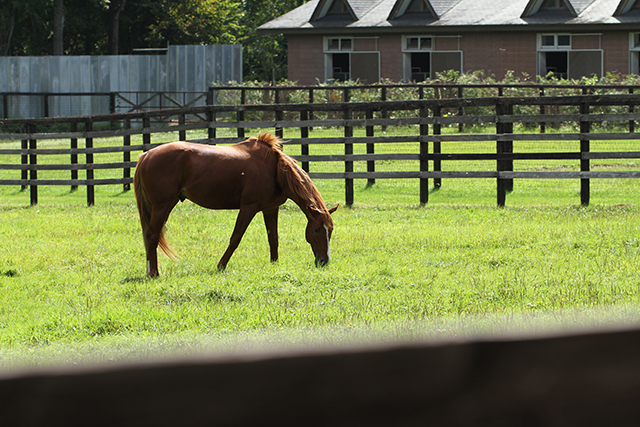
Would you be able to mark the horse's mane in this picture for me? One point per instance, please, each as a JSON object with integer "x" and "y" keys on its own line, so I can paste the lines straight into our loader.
{"x": 292, "y": 177}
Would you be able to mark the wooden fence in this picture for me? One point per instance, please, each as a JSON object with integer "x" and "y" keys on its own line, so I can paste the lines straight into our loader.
{"x": 423, "y": 121}
{"x": 588, "y": 378}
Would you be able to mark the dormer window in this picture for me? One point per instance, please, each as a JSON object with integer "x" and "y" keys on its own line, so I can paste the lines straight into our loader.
{"x": 553, "y": 5}
{"x": 549, "y": 6}
{"x": 338, "y": 8}
{"x": 420, "y": 8}
{"x": 626, "y": 6}
{"x": 333, "y": 9}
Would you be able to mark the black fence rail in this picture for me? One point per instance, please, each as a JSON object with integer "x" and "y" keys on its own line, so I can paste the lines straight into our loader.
{"x": 418, "y": 123}
{"x": 53, "y": 104}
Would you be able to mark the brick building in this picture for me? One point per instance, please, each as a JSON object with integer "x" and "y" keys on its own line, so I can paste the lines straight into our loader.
{"x": 412, "y": 40}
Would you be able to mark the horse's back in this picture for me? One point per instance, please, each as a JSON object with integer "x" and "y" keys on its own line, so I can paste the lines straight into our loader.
{"x": 217, "y": 177}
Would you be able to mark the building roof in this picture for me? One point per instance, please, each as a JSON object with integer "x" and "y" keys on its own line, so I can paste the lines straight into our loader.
{"x": 453, "y": 14}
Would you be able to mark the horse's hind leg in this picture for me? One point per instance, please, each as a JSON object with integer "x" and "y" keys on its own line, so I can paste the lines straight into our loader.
{"x": 152, "y": 235}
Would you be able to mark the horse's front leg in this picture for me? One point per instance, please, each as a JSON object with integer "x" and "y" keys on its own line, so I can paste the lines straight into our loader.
{"x": 271, "y": 222}
{"x": 245, "y": 216}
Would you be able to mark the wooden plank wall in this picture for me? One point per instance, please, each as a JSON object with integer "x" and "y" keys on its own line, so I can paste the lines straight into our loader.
{"x": 181, "y": 69}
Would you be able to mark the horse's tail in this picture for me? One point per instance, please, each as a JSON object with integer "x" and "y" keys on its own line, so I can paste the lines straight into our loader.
{"x": 144, "y": 209}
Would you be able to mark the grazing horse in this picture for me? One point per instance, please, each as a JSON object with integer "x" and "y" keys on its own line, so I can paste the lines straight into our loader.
{"x": 252, "y": 176}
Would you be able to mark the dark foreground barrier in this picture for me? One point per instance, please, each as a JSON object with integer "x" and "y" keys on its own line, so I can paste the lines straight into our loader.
{"x": 587, "y": 379}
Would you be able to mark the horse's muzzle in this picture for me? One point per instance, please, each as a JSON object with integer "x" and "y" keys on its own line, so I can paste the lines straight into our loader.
{"x": 321, "y": 261}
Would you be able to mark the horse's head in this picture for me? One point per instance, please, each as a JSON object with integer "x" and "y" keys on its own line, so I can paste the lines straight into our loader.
{"x": 319, "y": 231}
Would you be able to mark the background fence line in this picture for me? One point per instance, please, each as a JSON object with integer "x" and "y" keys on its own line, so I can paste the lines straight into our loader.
{"x": 426, "y": 115}
{"x": 124, "y": 100}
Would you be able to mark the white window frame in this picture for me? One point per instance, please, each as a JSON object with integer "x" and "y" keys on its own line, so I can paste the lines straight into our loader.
{"x": 634, "y": 53}
{"x": 406, "y": 48}
{"x": 348, "y": 49}
{"x": 329, "y": 51}
{"x": 407, "y": 72}
{"x": 341, "y": 48}
{"x": 555, "y": 46}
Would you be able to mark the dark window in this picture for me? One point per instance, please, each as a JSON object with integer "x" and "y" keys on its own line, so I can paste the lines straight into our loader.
{"x": 339, "y": 44}
{"x": 420, "y": 66}
{"x": 417, "y": 6}
{"x": 418, "y": 43}
{"x": 553, "y": 5}
{"x": 564, "y": 40}
{"x": 557, "y": 64}
{"x": 341, "y": 66}
{"x": 337, "y": 8}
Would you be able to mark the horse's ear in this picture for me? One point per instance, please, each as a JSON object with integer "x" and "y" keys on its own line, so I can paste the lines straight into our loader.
{"x": 335, "y": 208}
{"x": 312, "y": 207}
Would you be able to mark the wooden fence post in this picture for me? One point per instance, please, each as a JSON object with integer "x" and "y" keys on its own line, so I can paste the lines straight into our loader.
{"x": 112, "y": 102}
{"x": 424, "y": 159}
{"x": 33, "y": 161}
{"x": 88, "y": 127}
{"x": 240, "y": 113}
{"x": 279, "y": 118}
{"x": 126, "y": 155}
{"x": 182, "y": 134}
{"x": 45, "y": 105}
{"x": 24, "y": 157}
{"x": 503, "y": 149}
{"x": 460, "y": 109}
{"x": 542, "y": 112}
{"x": 585, "y": 127}
{"x": 437, "y": 146}
{"x": 211, "y": 116}
{"x": 146, "y": 136}
{"x": 74, "y": 155}
{"x": 371, "y": 164}
{"x": 304, "y": 133}
{"x": 383, "y": 111}
{"x": 348, "y": 164}
{"x": 632, "y": 108}
{"x": 311, "y": 116}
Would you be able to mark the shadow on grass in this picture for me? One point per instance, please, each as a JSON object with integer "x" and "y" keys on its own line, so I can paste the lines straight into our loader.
{"x": 136, "y": 279}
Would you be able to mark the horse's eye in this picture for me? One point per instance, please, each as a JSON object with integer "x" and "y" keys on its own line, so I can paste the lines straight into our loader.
{"x": 317, "y": 230}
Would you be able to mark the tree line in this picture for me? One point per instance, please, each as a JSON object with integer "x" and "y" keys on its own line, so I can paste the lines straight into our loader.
{"x": 111, "y": 27}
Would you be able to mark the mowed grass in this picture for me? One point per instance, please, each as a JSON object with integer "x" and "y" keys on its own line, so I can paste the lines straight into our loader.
{"x": 72, "y": 275}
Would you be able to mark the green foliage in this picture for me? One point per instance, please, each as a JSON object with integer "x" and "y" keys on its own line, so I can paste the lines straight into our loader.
{"x": 197, "y": 22}
{"x": 26, "y": 28}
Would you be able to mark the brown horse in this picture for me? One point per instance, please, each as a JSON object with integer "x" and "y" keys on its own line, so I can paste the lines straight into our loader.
{"x": 253, "y": 176}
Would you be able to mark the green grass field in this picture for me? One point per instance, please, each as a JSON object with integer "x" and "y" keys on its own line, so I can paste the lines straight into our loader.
{"x": 72, "y": 282}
